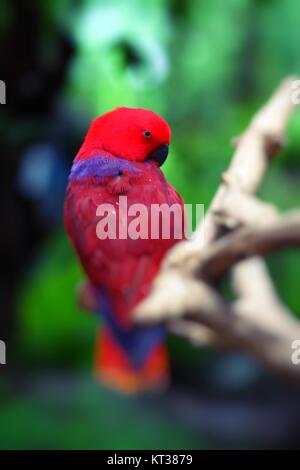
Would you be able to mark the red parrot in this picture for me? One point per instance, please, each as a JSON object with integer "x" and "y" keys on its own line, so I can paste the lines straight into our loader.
{"x": 121, "y": 156}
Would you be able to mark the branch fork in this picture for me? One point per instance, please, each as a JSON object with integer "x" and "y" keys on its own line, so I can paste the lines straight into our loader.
{"x": 239, "y": 231}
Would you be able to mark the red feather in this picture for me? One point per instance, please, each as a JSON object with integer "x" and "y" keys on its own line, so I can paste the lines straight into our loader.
{"x": 126, "y": 268}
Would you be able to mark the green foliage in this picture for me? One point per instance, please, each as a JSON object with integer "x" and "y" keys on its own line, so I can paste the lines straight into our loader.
{"x": 52, "y": 328}
{"x": 74, "y": 413}
{"x": 206, "y": 66}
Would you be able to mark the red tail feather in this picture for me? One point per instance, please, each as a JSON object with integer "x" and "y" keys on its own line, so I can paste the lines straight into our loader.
{"x": 114, "y": 369}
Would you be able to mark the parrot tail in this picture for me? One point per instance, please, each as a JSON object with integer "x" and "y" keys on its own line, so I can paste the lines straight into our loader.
{"x": 116, "y": 371}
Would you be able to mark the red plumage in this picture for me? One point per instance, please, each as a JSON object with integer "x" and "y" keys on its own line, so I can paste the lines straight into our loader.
{"x": 114, "y": 160}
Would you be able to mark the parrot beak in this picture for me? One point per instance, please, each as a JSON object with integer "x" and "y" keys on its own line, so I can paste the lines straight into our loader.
{"x": 159, "y": 155}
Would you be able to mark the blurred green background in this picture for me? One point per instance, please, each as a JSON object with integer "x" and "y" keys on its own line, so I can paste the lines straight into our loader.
{"x": 206, "y": 66}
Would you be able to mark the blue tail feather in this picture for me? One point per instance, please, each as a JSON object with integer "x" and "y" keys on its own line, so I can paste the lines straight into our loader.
{"x": 137, "y": 342}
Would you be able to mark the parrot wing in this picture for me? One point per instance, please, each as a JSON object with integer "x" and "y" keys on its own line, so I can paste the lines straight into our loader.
{"x": 124, "y": 268}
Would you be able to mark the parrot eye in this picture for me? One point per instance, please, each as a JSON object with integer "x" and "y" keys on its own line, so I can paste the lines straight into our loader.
{"x": 147, "y": 134}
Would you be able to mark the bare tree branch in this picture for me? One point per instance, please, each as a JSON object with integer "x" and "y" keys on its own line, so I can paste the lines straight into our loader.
{"x": 250, "y": 240}
{"x": 231, "y": 327}
{"x": 184, "y": 295}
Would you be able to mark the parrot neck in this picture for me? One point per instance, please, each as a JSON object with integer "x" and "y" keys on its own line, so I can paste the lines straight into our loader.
{"x": 100, "y": 166}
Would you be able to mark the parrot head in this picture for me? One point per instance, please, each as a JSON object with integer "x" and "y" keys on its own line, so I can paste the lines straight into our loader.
{"x": 133, "y": 134}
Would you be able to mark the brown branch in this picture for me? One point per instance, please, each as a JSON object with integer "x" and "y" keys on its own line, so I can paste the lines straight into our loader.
{"x": 258, "y": 298}
{"x": 257, "y": 322}
{"x": 230, "y": 327}
{"x": 250, "y": 240}
{"x": 260, "y": 142}
{"x": 254, "y": 149}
